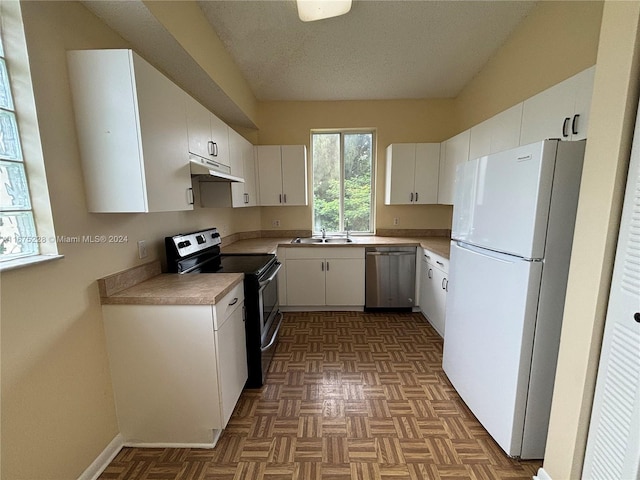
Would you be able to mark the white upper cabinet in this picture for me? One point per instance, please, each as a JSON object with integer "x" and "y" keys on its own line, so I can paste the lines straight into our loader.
{"x": 242, "y": 163}
{"x": 498, "y": 133}
{"x": 208, "y": 135}
{"x": 455, "y": 152}
{"x": 561, "y": 111}
{"x": 132, "y": 133}
{"x": 412, "y": 173}
{"x": 282, "y": 174}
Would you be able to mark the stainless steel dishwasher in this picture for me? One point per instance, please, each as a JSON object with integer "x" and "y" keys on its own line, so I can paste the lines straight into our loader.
{"x": 390, "y": 281}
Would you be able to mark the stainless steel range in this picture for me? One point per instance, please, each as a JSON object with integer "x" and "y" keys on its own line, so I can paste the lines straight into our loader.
{"x": 199, "y": 252}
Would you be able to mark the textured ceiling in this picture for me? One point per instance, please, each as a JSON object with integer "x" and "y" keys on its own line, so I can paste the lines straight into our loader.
{"x": 390, "y": 49}
{"x": 379, "y": 50}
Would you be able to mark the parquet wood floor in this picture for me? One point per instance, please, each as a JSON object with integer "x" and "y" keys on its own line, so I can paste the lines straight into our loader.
{"x": 350, "y": 396}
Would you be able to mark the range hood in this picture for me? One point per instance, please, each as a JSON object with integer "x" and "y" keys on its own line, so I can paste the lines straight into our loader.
{"x": 210, "y": 171}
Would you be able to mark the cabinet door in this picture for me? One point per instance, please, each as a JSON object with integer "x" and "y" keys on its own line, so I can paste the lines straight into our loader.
{"x": 584, "y": 92}
{"x": 505, "y": 129}
{"x": 164, "y": 139}
{"x": 232, "y": 362}
{"x": 401, "y": 164}
{"x": 426, "y": 173}
{"x": 198, "y": 128}
{"x": 439, "y": 287}
{"x": 269, "y": 174}
{"x": 236, "y": 163}
{"x": 344, "y": 281}
{"x": 294, "y": 174}
{"x": 250, "y": 186}
{"x": 456, "y": 152}
{"x": 480, "y": 139}
{"x": 219, "y": 149}
{"x": 305, "y": 282}
{"x": 548, "y": 114}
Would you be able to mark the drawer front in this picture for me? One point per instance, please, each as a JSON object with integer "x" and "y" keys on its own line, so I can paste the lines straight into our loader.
{"x": 227, "y": 305}
{"x": 435, "y": 260}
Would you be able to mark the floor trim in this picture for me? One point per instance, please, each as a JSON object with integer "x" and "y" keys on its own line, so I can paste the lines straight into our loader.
{"x": 103, "y": 460}
{"x": 542, "y": 475}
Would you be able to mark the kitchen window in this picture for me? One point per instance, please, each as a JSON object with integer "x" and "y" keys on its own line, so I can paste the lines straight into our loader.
{"x": 26, "y": 227}
{"x": 342, "y": 180}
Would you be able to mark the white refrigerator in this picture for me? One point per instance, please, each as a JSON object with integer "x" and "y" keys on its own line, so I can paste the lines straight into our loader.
{"x": 513, "y": 220}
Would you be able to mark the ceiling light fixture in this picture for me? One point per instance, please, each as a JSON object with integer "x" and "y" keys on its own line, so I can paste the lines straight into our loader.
{"x": 311, "y": 10}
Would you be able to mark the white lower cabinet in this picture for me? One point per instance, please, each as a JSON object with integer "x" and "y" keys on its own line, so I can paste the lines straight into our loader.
{"x": 325, "y": 276}
{"x": 433, "y": 289}
{"x": 177, "y": 370}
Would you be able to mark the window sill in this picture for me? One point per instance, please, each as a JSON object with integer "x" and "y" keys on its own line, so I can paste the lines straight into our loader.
{"x": 27, "y": 261}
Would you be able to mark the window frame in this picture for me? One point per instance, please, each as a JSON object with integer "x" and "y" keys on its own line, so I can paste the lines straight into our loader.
{"x": 19, "y": 74}
{"x": 342, "y": 132}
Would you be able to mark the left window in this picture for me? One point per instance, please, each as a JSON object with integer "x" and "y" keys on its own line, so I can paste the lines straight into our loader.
{"x": 21, "y": 241}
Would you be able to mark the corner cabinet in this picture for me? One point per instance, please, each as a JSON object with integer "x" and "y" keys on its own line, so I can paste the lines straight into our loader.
{"x": 282, "y": 175}
{"x": 177, "y": 370}
{"x": 132, "y": 133}
{"x": 434, "y": 284}
{"x": 325, "y": 276}
{"x": 412, "y": 173}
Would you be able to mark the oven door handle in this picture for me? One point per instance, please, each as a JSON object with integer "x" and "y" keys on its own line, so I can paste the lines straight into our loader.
{"x": 275, "y": 334}
{"x": 263, "y": 283}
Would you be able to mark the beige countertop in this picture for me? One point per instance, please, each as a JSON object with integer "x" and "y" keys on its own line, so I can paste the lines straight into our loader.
{"x": 145, "y": 285}
{"x": 175, "y": 289}
{"x": 438, "y": 245}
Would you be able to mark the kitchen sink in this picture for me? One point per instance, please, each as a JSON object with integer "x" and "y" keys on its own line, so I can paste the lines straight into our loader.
{"x": 316, "y": 240}
{"x": 338, "y": 240}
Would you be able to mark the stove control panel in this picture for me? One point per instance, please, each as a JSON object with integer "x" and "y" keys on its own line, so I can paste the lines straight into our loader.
{"x": 189, "y": 243}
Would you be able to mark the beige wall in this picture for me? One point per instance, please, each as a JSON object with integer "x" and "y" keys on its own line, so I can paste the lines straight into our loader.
{"x": 615, "y": 98}
{"x": 557, "y": 40}
{"x": 57, "y": 403}
{"x": 395, "y": 121}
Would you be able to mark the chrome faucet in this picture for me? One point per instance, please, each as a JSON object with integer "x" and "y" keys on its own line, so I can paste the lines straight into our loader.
{"x": 324, "y": 233}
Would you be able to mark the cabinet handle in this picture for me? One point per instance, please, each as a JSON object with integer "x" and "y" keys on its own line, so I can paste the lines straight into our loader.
{"x": 574, "y": 124}
{"x": 234, "y": 301}
{"x": 213, "y": 148}
{"x": 246, "y": 198}
{"x": 327, "y": 266}
{"x": 190, "y": 200}
{"x": 285, "y": 198}
{"x": 411, "y": 198}
{"x": 445, "y": 284}
{"x": 416, "y": 196}
{"x": 280, "y": 198}
{"x": 564, "y": 127}
{"x": 440, "y": 263}
{"x": 322, "y": 266}
{"x": 430, "y": 273}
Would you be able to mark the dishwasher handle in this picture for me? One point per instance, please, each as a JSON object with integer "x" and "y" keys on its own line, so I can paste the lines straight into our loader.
{"x": 390, "y": 254}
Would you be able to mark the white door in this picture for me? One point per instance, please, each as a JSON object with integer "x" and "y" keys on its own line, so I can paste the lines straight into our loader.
{"x": 305, "y": 282}
{"x": 511, "y": 205}
{"x": 401, "y": 162}
{"x": 613, "y": 445}
{"x": 491, "y": 314}
{"x": 426, "y": 173}
{"x": 269, "y": 174}
{"x": 294, "y": 175}
{"x": 198, "y": 127}
{"x": 344, "y": 283}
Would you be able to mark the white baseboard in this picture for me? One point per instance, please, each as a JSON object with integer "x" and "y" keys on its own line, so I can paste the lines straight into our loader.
{"x": 542, "y": 475}
{"x": 102, "y": 461}
{"x": 214, "y": 441}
